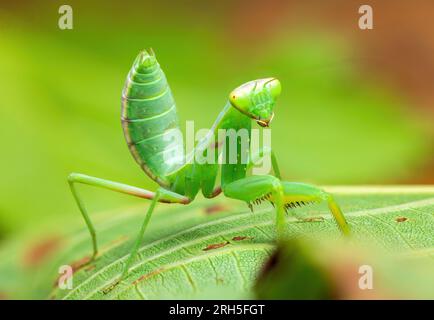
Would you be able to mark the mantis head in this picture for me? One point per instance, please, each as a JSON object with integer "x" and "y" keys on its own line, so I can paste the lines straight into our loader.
{"x": 257, "y": 99}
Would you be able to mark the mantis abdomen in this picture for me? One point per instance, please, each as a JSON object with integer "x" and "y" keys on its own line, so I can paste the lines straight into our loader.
{"x": 149, "y": 118}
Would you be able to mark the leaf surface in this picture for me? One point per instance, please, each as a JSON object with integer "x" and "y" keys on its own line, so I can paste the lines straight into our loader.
{"x": 215, "y": 248}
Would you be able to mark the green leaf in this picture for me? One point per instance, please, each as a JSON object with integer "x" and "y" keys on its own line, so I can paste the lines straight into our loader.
{"x": 209, "y": 249}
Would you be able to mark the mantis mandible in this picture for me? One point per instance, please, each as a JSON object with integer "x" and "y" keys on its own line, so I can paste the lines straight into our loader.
{"x": 149, "y": 119}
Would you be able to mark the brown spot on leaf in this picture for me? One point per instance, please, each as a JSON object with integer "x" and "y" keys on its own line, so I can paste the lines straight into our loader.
{"x": 216, "y": 246}
{"x": 41, "y": 251}
{"x": 313, "y": 219}
{"x": 3, "y": 296}
{"x": 77, "y": 265}
{"x": 240, "y": 238}
{"x": 110, "y": 287}
{"x": 148, "y": 275}
{"x": 401, "y": 219}
{"x": 215, "y": 208}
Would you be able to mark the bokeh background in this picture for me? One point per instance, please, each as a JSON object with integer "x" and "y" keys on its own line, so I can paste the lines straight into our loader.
{"x": 357, "y": 106}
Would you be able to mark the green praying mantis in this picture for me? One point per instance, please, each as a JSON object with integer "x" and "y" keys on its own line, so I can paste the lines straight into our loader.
{"x": 149, "y": 120}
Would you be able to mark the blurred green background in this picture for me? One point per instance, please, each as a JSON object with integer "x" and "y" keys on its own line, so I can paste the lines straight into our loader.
{"x": 355, "y": 108}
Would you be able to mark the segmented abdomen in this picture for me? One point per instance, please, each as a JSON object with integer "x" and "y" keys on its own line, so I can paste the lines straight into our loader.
{"x": 149, "y": 118}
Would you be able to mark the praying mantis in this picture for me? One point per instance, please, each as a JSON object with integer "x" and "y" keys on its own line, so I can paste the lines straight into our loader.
{"x": 149, "y": 121}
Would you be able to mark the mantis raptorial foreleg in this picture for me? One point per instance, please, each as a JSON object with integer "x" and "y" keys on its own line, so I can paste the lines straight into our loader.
{"x": 73, "y": 178}
{"x": 283, "y": 195}
{"x": 256, "y": 188}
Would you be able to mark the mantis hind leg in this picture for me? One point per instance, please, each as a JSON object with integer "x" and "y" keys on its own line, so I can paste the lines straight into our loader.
{"x": 74, "y": 178}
